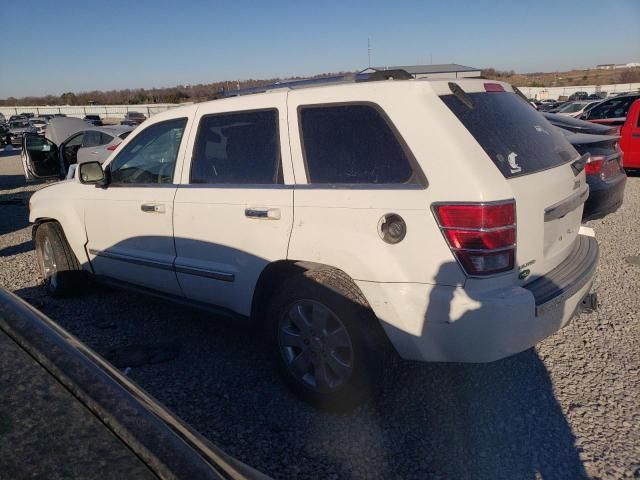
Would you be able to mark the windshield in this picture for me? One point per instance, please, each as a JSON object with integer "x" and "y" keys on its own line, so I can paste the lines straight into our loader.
{"x": 571, "y": 108}
{"x": 19, "y": 124}
{"x": 615, "y": 108}
{"x": 518, "y": 139}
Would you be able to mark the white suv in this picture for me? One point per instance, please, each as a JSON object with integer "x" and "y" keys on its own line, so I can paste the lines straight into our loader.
{"x": 440, "y": 218}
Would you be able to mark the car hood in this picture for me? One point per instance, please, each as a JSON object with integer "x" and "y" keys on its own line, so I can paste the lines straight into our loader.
{"x": 61, "y": 128}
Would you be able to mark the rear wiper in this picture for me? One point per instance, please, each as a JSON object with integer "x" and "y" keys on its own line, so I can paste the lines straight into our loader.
{"x": 461, "y": 95}
{"x": 579, "y": 164}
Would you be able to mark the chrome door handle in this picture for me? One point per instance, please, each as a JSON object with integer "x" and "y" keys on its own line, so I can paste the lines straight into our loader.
{"x": 263, "y": 213}
{"x": 152, "y": 208}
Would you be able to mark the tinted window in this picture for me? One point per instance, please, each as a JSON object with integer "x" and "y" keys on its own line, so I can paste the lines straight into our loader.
{"x": 105, "y": 138}
{"x": 237, "y": 148}
{"x": 518, "y": 139}
{"x": 352, "y": 144}
{"x": 614, "y": 108}
{"x": 151, "y": 156}
{"x": 91, "y": 138}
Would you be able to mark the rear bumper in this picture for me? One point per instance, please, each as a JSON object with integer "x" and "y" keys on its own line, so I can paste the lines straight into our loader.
{"x": 455, "y": 324}
{"x": 604, "y": 198}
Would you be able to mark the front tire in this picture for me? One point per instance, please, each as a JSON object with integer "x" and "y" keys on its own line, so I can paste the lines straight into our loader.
{"x": 325, "y": 340}
{"x": 60, "y": 268}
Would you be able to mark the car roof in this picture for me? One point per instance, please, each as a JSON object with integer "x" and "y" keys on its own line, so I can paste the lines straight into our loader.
{"x": 113, "y": 129}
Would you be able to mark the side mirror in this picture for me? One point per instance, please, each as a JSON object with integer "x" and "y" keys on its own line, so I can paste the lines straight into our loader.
{"x": 91, "y": 173}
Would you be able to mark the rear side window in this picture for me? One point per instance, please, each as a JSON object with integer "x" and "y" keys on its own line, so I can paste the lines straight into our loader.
{"x": 105, "y": 138}
{"x": 124, "y": 135}
{"x": 91, "y": 138}
{"x": 614, "y": 108}
{"x": 516, "y": 137}
{"x": 352, "y": 144}
{"x": 237, "y": 148}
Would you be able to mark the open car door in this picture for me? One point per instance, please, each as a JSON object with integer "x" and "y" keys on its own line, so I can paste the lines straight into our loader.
{"x": 40, "y": 157}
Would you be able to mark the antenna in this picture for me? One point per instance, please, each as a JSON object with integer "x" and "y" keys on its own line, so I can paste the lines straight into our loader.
{"x": 369, "y": 50}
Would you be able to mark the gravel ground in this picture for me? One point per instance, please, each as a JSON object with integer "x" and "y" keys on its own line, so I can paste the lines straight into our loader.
{"x": 567, "y": 409}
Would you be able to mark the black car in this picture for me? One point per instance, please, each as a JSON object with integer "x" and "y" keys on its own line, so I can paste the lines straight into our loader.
{"x": 133, "y": 119}
{"x": 578, "y": 96}
{"x": 612, "y": 111}
{"x": 5, "y": 138}
{"x": 67, "y": 413}
{"x": 547, "y": 106}
{"x": 94, "y": 120}
{"x": 605, "y": 175}
{"x": 579, "y": 126}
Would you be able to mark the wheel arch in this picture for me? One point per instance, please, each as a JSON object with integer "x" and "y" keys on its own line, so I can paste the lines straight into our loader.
{"x": 73, "y": 231}
{"x": 276, "y": 273}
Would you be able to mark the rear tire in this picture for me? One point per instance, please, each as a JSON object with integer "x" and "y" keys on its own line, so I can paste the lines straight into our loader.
{"x": 60, "y": 268}
{"x": 325, "y": 339}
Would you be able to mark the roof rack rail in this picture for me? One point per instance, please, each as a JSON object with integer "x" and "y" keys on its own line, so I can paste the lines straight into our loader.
{"x": 375, "y": 76}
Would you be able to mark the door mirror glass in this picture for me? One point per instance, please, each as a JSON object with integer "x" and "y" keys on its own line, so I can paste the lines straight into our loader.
{"x": 90, "y": 172}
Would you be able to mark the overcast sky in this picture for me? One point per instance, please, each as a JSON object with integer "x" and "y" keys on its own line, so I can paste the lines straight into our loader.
{"x": 56, "y": 46}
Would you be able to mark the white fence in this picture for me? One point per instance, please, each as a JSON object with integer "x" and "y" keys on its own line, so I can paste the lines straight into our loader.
{"x": 542, "y": 93}
{"x": 105, "y": 111}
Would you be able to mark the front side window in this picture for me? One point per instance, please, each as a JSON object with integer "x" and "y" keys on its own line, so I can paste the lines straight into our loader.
{"x": 352, "y": 144}
{"x": 237, "y": 148}
{"x": 150, "y": 157}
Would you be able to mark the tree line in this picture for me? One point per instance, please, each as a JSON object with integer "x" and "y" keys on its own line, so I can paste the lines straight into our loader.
{"x": 179, "y": 94}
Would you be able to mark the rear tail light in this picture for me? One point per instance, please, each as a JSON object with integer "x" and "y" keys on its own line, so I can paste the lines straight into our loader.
{"x": 111, "y": 148}
{"x": 481, "y": 236}
{"x": 594, "y": 164}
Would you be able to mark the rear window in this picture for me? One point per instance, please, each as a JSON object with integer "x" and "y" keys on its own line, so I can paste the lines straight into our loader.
{"x": 516, "y": 137}
{"x": 124, "y": 135}
{"x": 614, "y": 108}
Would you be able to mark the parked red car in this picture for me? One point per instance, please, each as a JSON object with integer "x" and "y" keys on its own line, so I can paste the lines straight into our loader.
{"x": 630, "y": 138}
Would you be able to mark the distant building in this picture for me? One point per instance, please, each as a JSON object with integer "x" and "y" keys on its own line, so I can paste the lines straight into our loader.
{"x": 447, "y": 70}
{"x": 611, "y": 66}
{"x": 628, "y": 65}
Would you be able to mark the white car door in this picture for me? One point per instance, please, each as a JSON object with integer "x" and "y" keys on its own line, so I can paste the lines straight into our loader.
{"x": 234, "y": 206}
{"x": 130, "y": 223}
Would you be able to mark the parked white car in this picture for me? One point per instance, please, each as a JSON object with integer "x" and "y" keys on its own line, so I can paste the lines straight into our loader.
{"x": 577, "y": 108}
{"x": 439, "y": 219}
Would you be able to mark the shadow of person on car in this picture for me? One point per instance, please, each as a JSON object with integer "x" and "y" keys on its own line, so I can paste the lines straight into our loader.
{"x": 470, "y": 420}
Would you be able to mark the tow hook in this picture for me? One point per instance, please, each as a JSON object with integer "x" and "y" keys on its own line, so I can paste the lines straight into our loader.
{"x": 589, "y": 303}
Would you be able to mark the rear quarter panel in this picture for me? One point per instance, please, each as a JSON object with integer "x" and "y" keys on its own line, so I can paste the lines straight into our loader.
{"x": 338, "y": 225}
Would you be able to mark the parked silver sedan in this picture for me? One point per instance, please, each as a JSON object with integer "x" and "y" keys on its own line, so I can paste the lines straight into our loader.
{"x": 67, "y": 142}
